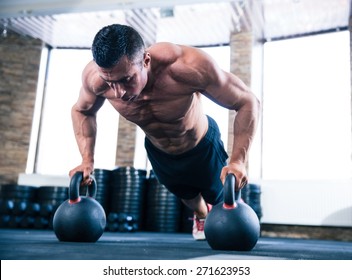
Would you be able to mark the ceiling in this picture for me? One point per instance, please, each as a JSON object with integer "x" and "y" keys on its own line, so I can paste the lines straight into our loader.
{"x": 73, "y": 24}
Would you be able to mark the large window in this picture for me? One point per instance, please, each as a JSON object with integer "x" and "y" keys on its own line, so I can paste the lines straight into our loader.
{"x": 219, "y": 114}
{"x": 307, "y": 108}
{"x": 57, "y": 151}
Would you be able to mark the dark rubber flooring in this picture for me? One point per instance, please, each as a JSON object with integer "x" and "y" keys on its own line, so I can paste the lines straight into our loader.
{"x": 43, "y": 245}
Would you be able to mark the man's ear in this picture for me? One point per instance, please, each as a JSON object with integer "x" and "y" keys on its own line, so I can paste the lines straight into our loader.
{"x": 146, "y": 59}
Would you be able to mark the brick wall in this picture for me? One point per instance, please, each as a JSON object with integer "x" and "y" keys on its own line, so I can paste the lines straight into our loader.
{"x": 125, "y": 143}
{"x": 240, "y": 65}
{"x": 19, "y": 67}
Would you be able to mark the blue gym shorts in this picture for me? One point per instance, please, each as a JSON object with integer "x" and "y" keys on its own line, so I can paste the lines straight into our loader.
{"x": 195, "y": 171}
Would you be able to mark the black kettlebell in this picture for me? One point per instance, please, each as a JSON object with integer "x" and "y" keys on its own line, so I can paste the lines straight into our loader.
{"x": 232, "y": 225}
{"x": 79, "y": 218}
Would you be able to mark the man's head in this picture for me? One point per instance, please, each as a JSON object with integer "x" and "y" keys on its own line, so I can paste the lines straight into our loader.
{"x": 119, "y": 52}
{"x": 113, "y": 42}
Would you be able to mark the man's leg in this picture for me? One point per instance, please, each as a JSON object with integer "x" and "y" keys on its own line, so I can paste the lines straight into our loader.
{"x": 200, "y": 209}
{"x": 197, "y": 205}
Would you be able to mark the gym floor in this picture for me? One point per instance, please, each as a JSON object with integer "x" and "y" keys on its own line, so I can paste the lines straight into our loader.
{"x": 19, "y": 244}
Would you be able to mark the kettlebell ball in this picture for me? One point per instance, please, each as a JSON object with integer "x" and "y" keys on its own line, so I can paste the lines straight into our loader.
{"x": 232, "y": 225}
{"x": 80, "y": 218}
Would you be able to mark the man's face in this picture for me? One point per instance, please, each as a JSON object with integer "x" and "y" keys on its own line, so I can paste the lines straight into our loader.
{"x": 127, "y": 78}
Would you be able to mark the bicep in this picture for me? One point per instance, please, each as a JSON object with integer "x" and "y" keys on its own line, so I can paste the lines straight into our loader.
{"x": 201, "y": 72}
{"x": 227, "y": 90}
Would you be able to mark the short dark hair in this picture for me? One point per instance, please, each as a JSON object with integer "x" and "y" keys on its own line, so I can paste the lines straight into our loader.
{"x": 113, "y": 42}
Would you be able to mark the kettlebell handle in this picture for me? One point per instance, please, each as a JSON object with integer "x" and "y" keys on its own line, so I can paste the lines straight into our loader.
{"x": 75, "y": 183}
{"x": 230, "y": 195}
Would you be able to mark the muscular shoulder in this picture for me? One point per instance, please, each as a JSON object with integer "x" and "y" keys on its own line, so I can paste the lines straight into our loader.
{"x": 172, "y": 53}
{"x": 186, "y": 64}
{"x": 91, "y": 81}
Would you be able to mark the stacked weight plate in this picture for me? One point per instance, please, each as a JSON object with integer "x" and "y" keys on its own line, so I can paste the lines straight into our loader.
{"x": 254, "y": 201}
{"x": 121, "y": 222}
{"x": 245, "y": 193}
{"x": 128, "y": 192}
{"x": 49, "y": 199}
{"x": 103, "y": 179}
{"x": 14, "y": 202}
{"x": 163, "y": 208}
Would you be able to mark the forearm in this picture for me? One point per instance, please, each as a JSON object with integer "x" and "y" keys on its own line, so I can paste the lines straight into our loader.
{"x": 85, "y": 128}
{"x": 244, "y": 128}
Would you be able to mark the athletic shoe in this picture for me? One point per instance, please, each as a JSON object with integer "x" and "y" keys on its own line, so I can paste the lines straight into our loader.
{"x": 198, "y": 226}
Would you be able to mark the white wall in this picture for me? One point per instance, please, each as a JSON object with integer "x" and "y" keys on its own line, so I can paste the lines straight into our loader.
{"x": 314, "y": 203}
{"x": 306, "y": 169}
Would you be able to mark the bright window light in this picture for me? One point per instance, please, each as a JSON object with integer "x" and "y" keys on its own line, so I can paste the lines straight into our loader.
{"x": 219, "y": 114}
{"x": 57, "y": 150}
{"x": 307, "y": 108}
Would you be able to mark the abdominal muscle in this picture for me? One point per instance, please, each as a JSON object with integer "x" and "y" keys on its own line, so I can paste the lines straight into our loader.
{"x": 178, "y": 137}
{"x": 169, "y": 129}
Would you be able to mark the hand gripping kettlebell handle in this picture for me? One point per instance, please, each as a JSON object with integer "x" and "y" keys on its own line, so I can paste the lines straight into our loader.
{"x": 75, "y": 183}
{"x": 230, "y": 195}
